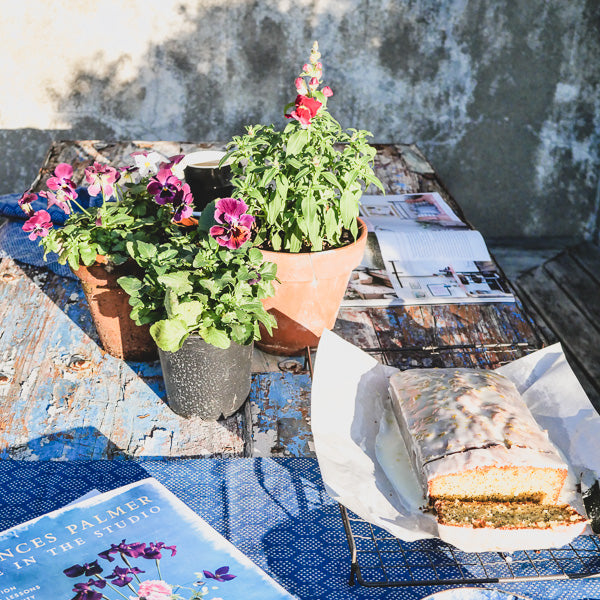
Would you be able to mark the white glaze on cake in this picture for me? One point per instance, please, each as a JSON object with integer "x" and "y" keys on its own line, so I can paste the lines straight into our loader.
{"x": 461, "y": 420}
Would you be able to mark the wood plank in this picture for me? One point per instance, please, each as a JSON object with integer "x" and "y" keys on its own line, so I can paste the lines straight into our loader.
{"x": 576, "y": 283}
{"x": 279, "y": 408}
{"x": 356, "y": 326}
{"x": 587, "y": 255}
{"x": 578, "y": 335}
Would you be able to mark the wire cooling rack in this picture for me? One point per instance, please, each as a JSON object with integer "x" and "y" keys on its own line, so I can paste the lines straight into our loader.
{"x": 382, "y": 560}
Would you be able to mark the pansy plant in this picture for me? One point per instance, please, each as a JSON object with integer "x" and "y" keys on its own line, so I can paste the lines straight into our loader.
{"x": 209, "y": 282}
{"x": 142, "y": 201}
{"x": 303, "y": 184}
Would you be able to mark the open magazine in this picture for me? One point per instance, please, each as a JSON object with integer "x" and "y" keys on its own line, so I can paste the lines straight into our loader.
{"x": 423, "y": 254}
{"x": 138, "y": 541}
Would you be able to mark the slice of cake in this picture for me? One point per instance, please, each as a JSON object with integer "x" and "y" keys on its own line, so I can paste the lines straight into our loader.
{"x": 506, "y": 515}
{"x": 472, "y": 437}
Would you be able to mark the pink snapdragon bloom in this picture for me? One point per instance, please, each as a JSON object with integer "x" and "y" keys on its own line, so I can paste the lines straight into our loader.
{"x": 25, "y": 202}
{"x": 234, "y": 224}
{"x": 100, "y": 179}
{"x": 301, "y": 86}
{"x": 327, "y": 92}
{"x": 38, "y": 225}
{"x": 155, "y": 590}
{"x": 61, "y": 181}
{"x": 306, "y": 109}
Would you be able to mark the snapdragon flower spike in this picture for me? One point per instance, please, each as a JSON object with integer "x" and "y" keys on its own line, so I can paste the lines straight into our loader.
{"x": 25, "y": 202}
{"x": 163, "y": 186}
{"x": 38, "y": 225}
{"x": 234, "y": 225}
{"x": 221, "y": 574}
{"x": 301, "y": 86}
{"x": 87, "y": 569}
{"x": 59, "y": 199}
{"x": 327, "y": 92}
{"x": 153, "y": 551}
{"x": 62, "y": 180}
{"x": 100, "y": 179}
{"x": 85, "y": 591}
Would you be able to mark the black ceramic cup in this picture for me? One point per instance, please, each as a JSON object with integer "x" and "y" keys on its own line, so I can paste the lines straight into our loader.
{"x": 206, "y": 180}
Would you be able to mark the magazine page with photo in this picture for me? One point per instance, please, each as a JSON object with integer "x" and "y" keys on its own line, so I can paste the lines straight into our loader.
{"x": 420, "y": 252}
{"x": 138, "y": 542}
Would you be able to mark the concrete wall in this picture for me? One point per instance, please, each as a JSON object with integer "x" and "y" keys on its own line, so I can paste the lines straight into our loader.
{"x": 501, "y": 95}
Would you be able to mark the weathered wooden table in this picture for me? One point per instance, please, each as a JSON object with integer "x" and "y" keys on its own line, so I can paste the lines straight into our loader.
{"x": 62, "y": 397}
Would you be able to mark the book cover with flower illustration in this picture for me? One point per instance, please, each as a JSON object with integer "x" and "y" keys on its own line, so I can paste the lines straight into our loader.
{"x": 138, "y": 542}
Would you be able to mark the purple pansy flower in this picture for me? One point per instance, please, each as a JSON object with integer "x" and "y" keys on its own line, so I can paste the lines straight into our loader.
{"x": 87, "y": 569}
{"x": 164, "y": 186}
{"x": 62, "y": 180}
{"x": 59, "y": 199}
{"x": 153, "y": 551}
{"x": 85, "y": 591}
{"x": 182, "y": 202}
{"x": 121, "y": 576}
{"x": 221, "y": 574}
{"x": 234, "y": 225}
{"x": 39, "y": 225}
{"x": 100, "y": 179}
{"x": 25, "y": 202}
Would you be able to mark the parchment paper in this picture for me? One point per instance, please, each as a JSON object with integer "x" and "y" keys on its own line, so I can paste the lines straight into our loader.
{"x": 365, "y": 466}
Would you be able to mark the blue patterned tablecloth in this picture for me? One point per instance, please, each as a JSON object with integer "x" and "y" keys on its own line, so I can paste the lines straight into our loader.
{"x": 276, "y": 511}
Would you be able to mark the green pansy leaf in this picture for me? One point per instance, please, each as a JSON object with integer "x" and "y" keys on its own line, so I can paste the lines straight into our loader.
{"x": 178, "y": 282}
{"x": 214, "y": 336}
{"x": 169, "y": 334}
{"x": 189, "y": 312}
{"x": 130, "y": 284}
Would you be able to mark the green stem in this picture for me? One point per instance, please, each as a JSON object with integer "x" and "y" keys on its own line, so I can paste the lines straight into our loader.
{"x": 81, "y": 207}
{"x": 158, "y": 568}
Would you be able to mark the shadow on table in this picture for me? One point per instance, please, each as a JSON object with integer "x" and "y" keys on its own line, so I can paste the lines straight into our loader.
{"x": 79, "y": 443}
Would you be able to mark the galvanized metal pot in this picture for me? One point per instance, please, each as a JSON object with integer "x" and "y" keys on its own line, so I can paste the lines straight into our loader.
{"x": 205, "y": 381}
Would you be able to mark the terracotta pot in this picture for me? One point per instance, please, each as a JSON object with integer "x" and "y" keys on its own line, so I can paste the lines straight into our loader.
{"x": 110, "y": 309}
{"x": 309, "y": 293}
{"x": 205, "y": 381}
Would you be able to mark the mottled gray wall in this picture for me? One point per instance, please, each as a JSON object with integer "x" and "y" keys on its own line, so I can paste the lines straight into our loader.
{"x": 501, "y": 95}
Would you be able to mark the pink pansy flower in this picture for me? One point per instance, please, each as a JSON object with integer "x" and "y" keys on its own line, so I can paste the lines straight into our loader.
{"x": 182, "y": 203}
{"x": 58, "y": 199}
{"x": 234, "y": 225}
{"x": 25, "y": 202}
{"x": 327, "y": 92}
{"x": 62, "y": 180}
{"x": 148, "y": 163}
{"x": 100, "y": 179}
{"x": 155, "y": 590}
{"x": 38, "y": 225}
{"x": 163, "y": 186}
{"x": 306, "y": 109}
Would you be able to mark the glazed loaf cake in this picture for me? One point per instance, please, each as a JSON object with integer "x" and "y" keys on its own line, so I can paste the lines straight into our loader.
{"x": 471, "y": 437}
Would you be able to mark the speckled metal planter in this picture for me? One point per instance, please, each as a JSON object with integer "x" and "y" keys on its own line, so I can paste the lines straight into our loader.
{"x": 205, "y": 381}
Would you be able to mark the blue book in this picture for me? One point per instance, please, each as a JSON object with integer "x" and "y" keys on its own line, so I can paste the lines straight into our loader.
{"x": 138, "y": 542}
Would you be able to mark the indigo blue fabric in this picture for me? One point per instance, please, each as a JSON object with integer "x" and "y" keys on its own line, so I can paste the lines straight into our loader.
{"x": 276, "y": 511}
{"x": 14, "y": 242}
